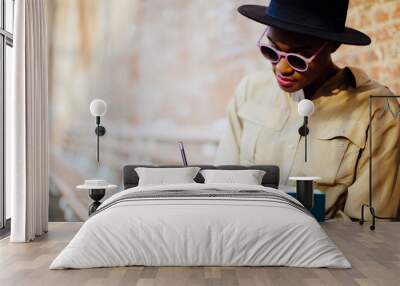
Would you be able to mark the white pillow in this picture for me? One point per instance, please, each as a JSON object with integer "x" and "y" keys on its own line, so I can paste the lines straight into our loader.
{"x": 163, "y": 176}
{"x": 248, "y": 177}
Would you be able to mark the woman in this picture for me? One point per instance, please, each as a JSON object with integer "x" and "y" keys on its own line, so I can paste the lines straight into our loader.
{"x": 264, "y": 121}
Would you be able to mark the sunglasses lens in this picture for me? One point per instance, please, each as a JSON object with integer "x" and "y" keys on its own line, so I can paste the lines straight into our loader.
{"x": 297, "y": 62}
{"x": 269, "y": 54}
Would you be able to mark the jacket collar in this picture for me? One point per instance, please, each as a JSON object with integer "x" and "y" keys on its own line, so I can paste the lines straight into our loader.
{"x": 352, "y": 76}
{"x": 355, "y": 76}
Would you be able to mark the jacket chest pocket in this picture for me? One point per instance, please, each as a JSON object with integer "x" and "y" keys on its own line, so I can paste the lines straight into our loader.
{"x": 256, "y": 119}
{"x": 333, "y": 147}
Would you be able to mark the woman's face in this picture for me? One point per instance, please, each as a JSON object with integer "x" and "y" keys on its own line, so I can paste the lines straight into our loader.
{"x": 288, "y": 79}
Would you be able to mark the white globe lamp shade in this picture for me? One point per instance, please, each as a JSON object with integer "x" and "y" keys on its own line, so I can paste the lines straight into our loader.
{"x": 98, "y": 107}
{"x": 305, "y": 107}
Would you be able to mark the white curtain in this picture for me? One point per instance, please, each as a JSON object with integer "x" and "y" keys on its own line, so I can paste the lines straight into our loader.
{"x": 27, "y": 124}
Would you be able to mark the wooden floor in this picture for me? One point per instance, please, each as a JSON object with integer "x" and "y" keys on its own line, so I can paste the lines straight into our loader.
{"x": 375, "y": 257}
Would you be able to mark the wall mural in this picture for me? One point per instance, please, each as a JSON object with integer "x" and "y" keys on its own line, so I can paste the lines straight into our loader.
{"x": 167, "y": 70}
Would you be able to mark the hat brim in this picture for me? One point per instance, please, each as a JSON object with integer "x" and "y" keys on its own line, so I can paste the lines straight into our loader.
{"x": 349, "y": 36}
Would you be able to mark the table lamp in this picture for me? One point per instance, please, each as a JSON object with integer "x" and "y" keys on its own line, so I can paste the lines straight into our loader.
{"x": 305, "y": 108}
{"x": 98, "y": 108}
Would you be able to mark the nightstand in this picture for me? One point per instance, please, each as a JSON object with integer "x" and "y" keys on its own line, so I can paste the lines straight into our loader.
{"x": 97, "y": 189}
{"x": 305, "y": 190}
{"x": 318, "y": 206}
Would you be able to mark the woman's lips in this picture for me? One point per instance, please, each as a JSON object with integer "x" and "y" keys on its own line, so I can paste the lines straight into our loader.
{"x": 285, "y": 82}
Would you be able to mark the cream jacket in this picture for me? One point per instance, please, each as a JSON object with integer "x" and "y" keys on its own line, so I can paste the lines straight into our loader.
{"x": 263, "y": 124}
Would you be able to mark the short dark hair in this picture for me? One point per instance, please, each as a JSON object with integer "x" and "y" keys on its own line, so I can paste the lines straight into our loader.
{"x": 335, "y": 46}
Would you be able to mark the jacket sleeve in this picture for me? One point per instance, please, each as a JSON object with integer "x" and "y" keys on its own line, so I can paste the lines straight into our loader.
{"x": 385, "y": 128}
{"x": 228, "y": 151}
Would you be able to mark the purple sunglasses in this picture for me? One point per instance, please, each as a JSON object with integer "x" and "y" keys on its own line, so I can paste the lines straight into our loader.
{"x": 296, "y": 61}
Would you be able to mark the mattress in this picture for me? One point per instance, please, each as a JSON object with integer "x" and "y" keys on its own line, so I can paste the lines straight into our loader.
{"x": 201, "y": 225}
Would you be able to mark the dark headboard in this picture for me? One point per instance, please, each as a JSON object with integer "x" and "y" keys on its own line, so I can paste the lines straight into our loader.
{"x": 270, "y": 179}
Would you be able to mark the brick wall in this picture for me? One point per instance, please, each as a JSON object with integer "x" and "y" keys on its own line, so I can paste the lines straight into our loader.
{"x": 380, "y": 19}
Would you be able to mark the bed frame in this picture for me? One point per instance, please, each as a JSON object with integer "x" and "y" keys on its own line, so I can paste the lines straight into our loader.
{"x": 270, "y": 179}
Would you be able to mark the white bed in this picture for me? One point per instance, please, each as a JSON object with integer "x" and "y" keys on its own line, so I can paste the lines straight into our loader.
{"x": 185, "y": 230}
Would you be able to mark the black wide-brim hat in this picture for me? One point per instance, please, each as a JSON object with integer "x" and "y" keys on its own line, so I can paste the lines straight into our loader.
{"x": 323, "y": 19}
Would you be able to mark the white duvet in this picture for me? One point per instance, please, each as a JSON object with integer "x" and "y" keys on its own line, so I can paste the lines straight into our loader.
{"x": 200, "y": 231}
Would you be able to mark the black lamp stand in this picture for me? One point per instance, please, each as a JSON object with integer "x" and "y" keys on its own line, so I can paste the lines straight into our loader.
{"x": 100, "y": 131}
{"x": 303, "y": 131}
